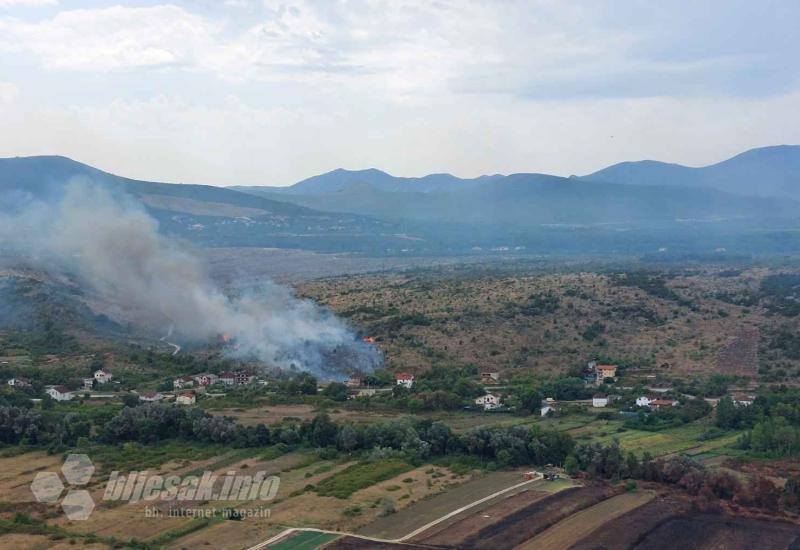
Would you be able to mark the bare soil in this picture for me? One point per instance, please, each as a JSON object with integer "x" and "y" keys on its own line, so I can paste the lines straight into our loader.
{"x": 455, "y": 534}
{"x": 527, "y": 522}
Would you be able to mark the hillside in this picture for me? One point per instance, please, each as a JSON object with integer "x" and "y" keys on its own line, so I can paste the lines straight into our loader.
{"x": 207, "y": 215}
{"x": 672, "y": 322}
{"x": 765, "y": 172}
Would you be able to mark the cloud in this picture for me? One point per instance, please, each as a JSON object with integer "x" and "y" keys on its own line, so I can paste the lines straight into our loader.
{"x": 271, "y": 91}
{"x": 112, "y": 38}
{"x": 8, "y": 93}
{"x": 536, "y": 49}
{"x": 27, "y": 3}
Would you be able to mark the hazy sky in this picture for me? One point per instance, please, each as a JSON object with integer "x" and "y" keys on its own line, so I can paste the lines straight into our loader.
{"x": 270, "y": 92}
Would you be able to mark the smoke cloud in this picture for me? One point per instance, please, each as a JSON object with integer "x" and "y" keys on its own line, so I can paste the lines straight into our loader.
{"x": 114, "y": 245}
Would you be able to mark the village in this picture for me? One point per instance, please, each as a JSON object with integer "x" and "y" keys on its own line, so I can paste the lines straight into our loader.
{"x": 600, "y": 391}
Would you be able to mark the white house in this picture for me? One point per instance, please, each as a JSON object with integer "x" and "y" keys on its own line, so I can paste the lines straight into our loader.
{"x": 743, "y": 400}
{"x": 205, "y": 379}
{"x": 103, "y": 375}
{"x": 60, "y": 393}
{"x": 404, "y": 379}
{"x": 488, "y": 401}
{"x": 183, "y": 382}
{"x": 599, "y": 401}
{"x": 548, "y": 406}
{"x": 88, "y": 384}
{"x": 643, "y": 401}
{"x": 227, "y": 378}
{"x": 150, "y": 396}
{"x": 490, "y": 377}
{"x": 19, "y": 382}
{"x": 186, "y": 398}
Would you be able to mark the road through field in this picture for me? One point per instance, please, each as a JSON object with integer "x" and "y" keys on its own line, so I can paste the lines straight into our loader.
{"x": 569, "y": 531}
{"x": 288, "y": 532}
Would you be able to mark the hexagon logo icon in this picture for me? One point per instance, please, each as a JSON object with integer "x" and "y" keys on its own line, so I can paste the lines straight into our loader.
{"x": 77, "y": 469}
{"x": 78, "y": 505}
{"x": 47, "y": 487}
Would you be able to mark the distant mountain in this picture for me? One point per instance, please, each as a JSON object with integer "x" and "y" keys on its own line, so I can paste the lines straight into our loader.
{"x": 531, "y": 200}
{"x": 208, "y": 215}
{"x": 372, "y": 212}
{"x": 765, "y": 172}
{"x": 46, "y": 176}
{"x": 341, "y": 179}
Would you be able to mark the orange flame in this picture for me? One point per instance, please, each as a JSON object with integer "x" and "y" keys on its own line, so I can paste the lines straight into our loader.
{"x": 369, "y": 339}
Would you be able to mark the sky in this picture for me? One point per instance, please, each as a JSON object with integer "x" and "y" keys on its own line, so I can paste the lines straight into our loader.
{"x": 268, "y": 92}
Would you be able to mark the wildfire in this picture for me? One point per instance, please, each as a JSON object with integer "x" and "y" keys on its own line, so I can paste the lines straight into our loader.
{"x": 226, "y": 337}
{"x": 369, "y": 339}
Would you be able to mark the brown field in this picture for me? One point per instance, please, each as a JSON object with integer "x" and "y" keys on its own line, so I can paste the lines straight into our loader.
{"x": 407, "y": 520}
{"x": 527, "y": 522}
{"x": 275, "y": 414}
{"x": 454, "y": 534}
{"x": 568, "y": 531}
{"x": 17, "y": 473}
{"x": 308, "y": 509}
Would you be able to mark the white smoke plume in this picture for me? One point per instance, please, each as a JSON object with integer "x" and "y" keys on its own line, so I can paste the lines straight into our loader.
{"x": 115, "y": 246}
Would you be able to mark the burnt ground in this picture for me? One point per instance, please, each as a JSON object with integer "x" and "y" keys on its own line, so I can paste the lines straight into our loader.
{"x": 719, "y": 531}
{"x": 634, "y": 526}
{"x": 534, "y": 518}
{"x": 454, "y": 535}
{"x": 355, "y": 543}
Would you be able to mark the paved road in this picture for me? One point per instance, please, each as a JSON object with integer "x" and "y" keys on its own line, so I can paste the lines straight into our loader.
{"x": 283, "y": 534}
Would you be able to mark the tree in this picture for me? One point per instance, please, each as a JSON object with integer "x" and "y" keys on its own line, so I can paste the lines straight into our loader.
{"x": 727, "y": 415}
{"x": 130, "y": 400}
{"x": 336, "y": 391}
{"x": 348, "y": 439}
{"x": 323, "y": 431}
{"x": 571, "y": 465}
{"x": 307, "y": 384}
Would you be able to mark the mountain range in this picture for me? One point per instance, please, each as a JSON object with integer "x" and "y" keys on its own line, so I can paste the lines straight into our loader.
{"x": 764, "y": 172}
{"x": 747, "y": 203}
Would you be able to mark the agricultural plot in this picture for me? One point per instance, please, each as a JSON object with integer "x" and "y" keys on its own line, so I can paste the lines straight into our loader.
{"x": 418, "y": 514}
{"x": 528, "y": 521}
{"x": 569, "y": 531}
{"x": 455, "y": 533}
{"x": 687, "y": 439}
{"x": 306, "y": 540}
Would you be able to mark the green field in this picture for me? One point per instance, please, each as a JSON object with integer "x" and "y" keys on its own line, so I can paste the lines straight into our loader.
{"x": 306, "y": 540}
{"x": 360, "y": 476}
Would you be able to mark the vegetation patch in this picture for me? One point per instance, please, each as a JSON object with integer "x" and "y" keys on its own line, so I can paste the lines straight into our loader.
{"x": 360, "y": 476}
